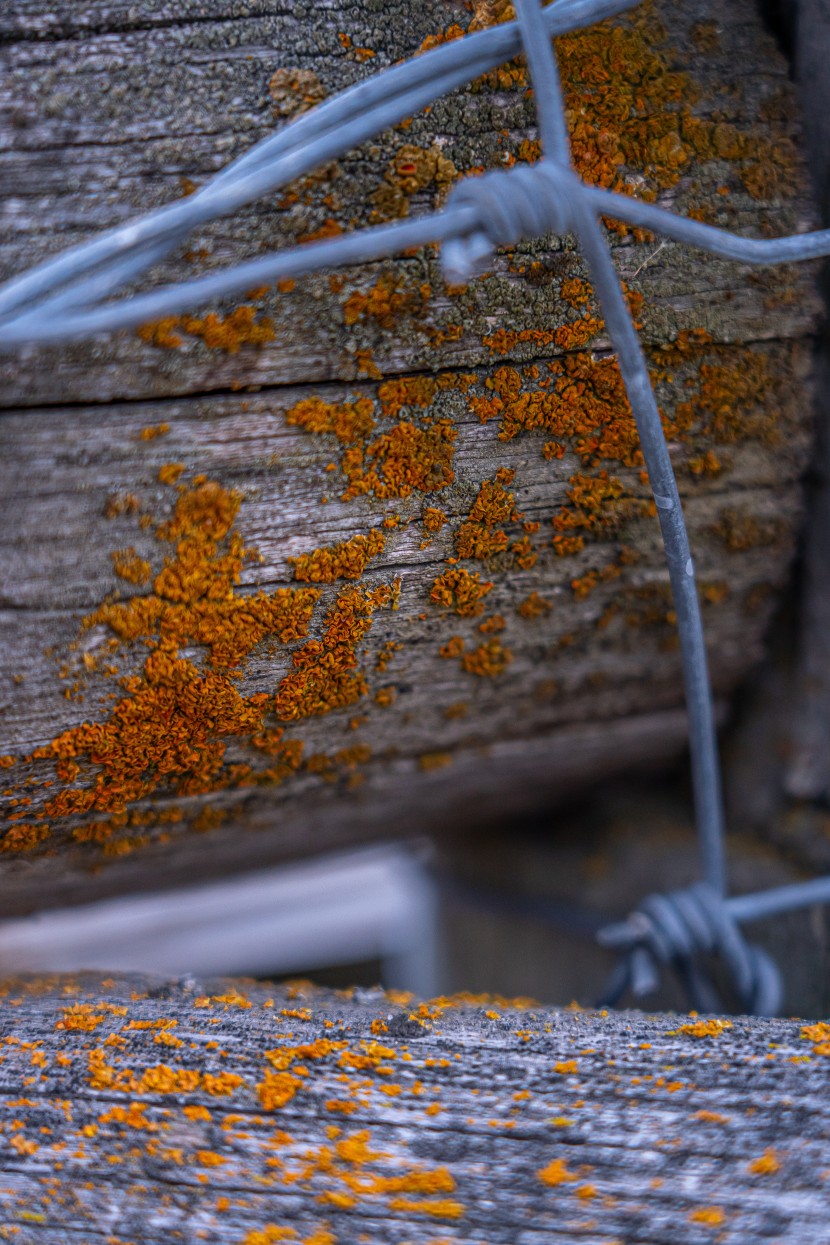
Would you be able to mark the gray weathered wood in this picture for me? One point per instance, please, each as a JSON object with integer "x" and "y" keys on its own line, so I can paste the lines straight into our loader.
{"x": 101, "y": 115}
{"x": 136, "y": 1109}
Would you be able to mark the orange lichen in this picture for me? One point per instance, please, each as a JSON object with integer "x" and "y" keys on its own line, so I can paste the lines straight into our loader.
{"x": 488, "y": 660}
{"x": 429, "y": 761}
{"x": 555, "y": 1174}
{"x": 154, "y": 430}
{"x": 169, "y": 729}
{"x": 767, "y": 1165}
{"x": 461, "y": 591}
{"x": 293, "y": 91}
{"x": 819, "y": 1035}
{"x": 346, "y": 560}
{"x": 128, "y": 565}
{"x": 350, "y": 422}
{"x": 413, "y": 169}
{"x": 533, "y": 606}
{"x": 433, "y": 519}
{"x": 711, "y": 1216}
{"x": 713, "y": 1027}
{"x": 170, "y": 472}
{"x": 386, "y": 302}
{"x": 327, "y": 675}
{"x": 480, "y": 535}
{"x": 409, "y": 457}
{"x": 228, "y": 333}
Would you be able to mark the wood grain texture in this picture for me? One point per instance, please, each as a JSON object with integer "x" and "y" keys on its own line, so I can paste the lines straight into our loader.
{"x": 103, "y": 114}
{"x": 138, "y": 1109}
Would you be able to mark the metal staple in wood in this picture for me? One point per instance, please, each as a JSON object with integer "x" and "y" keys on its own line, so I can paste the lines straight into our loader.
{"x": 68, "y": 298}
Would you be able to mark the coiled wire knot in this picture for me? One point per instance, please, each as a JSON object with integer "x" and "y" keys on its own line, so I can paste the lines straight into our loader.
{"x": 511, "y": 205}
{"x": 678, "y": 930}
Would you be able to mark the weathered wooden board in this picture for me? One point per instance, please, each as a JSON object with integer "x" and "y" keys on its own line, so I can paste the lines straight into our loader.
{"x": 380, "y": 409}
{"x": 135, "y": 1109}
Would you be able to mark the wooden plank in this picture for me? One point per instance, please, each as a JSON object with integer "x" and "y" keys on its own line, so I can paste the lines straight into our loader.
{"x": 102, "y": 116}
{"x": 229, "y": 1111}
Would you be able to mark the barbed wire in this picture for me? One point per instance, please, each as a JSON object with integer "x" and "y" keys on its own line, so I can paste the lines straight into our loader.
{"x": 68, "y": 298}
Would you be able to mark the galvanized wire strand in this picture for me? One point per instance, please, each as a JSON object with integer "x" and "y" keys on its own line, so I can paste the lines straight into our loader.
{"x": 65, "y": 298}
{"x": 702, "y": 736}
{"x": 320, "y": 135}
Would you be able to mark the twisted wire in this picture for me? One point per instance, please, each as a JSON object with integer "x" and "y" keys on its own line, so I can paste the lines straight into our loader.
{"x": 69, "y": 297}
{"x": 680, "y": 930}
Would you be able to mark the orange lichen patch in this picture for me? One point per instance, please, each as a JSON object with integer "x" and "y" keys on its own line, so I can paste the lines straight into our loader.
{"x": 406, "y": 459}
{"x": 480, "y": 535}
{"x": 418, "y": 392}
{"x": 327, "y": 674}
{"x": 386, "y": 654}
{"x": 350, "y": 422}
{"x": 453, "y": 647}
{"x": 734, "y": 392}
{"x": 429, "y": 761}
{"x": 330, "y": 228}
{"x": 767, "y": 1165}
{"x": 433, "y": 519}
{"x": 819, "y": 1035}
{"x": 739, "y": 530}
{"x": 591, "y": 506}
{"x": 132, "y": 1117}
{"x": 121, "y": 503}
{"x": 128, "y": 565}
{"x": 169, "y": 730}
{"x": 413, "y": 169}
{"x": 411, "y": 456}
{"x": 711, "y": 1216}
{"x": 157, "y": 1079}
{"x": 533, "y": 606}
{"x": 441, "y": 1209}
{"x": 707, "y": 465}
{"x": 461, "y": 591}
{"x": 162, "y": 333}
{"x": 583, "y": 585}
{"x": 346, "y": 560}
{"x": 455, "y": 711}
{"x": 386, "y": 697}
{"x": 556, "y": 1173}
{"x": 83, "y": 1017}
{"x": 713, "y": 1027}
{"x": 276, "y": 1089}
{"x": 293, "y": 91}
{"x": 24, "y": 837}
{"x": 153, "y": 431}
{"x": 228, "y": 333}
{"x": 385, "y": 302}
{"x": 170, "y": 472}
{"x": 491, "y": 625}
{"x": 575, "y": 292}
{"x": 271, "y": 1234}
{"x": 488, "y": 660}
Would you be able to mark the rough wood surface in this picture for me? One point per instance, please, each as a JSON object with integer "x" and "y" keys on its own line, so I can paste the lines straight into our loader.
{"x": 142, "y": 1110}
{"x": 105, "y": 112}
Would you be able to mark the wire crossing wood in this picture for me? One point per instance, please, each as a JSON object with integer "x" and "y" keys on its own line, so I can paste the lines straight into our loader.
{"x": 149, "y": 1111}
{"x": 388, "y": 428}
